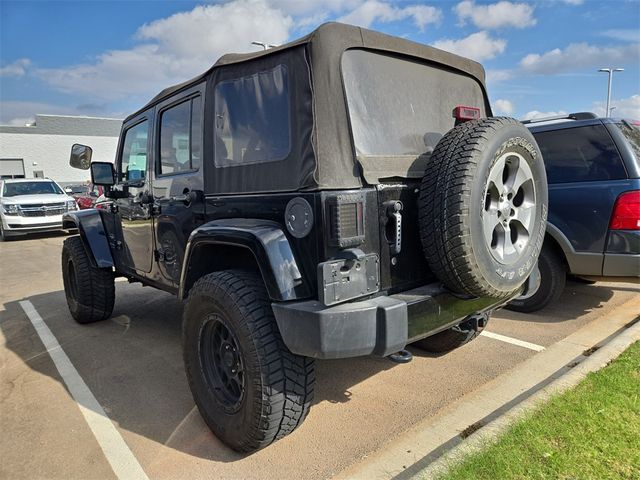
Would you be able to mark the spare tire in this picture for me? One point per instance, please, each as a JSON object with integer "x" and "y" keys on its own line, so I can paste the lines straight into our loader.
{"x": 483, "y": 207}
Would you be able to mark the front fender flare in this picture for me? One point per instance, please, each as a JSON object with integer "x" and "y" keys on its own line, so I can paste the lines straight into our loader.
{"x": 268, "y": 244}
{"x": 91, "y": 229}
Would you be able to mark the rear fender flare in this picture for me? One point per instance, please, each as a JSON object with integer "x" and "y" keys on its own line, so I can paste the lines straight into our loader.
{"x": 267, "y": 243}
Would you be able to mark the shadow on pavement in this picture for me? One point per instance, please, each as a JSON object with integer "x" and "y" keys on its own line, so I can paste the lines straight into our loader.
{"x": 133, "y": 365}
{"x": 578, "y": 299}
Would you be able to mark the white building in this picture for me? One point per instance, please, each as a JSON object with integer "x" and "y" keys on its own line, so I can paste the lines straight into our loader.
{"x": 41, "y": 149}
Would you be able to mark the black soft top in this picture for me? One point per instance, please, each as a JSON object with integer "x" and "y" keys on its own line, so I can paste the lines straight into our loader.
{"x": 322, "y": 153}
{"x": 339, "y": 37}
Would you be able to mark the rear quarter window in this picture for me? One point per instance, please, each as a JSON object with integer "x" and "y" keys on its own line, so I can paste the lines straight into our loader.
{"x": 581, "y": 154}
{"x": 252, "y": 119}
{"x": 632, "y": 134}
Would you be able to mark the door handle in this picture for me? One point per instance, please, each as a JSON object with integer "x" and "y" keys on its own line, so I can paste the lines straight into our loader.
{"x": 393, "y": 213}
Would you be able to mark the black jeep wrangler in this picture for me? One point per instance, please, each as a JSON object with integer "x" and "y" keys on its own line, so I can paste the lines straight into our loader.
{"x": 345, "y": 194}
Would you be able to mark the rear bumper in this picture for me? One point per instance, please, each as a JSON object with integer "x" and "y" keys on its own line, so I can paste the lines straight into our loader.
{"x": 621, "y": 265}
{"x": 378, "y": 326}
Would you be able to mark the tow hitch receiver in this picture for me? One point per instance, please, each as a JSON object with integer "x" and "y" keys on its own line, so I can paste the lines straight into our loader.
{"x": 403, "y": 356}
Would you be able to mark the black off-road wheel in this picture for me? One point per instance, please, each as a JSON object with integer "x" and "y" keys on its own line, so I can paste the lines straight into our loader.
{"x": 250, "y": 389}
{"x": 483, "y": 207}
{"x": 454, "y": 337}
{"x": 547, "y": 288}
{"x": 90, "y": 290}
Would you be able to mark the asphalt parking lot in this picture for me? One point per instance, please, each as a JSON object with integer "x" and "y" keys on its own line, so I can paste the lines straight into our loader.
{"x": 133, "y": 366}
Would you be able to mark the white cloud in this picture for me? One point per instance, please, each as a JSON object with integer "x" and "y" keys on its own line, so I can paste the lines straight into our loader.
{"x": 373, "y": 11}
{"x": 298, "y": 8}
{"x": 496, "y": 15}
{"x": 579, "y": 55}
{"x": 573, "y": 2}
{"x": 625, "y": 108}
{"x": 174, "y": 49}
{"x": 496, "y": 76}
{"x": 478, "y": 46}
{"x": 215, "y": 29}
{"x": 503, "y": 106}
{"x": 626, "y": 35}
{"x": 15, "y": 69}
{"x": 537, "y": 114}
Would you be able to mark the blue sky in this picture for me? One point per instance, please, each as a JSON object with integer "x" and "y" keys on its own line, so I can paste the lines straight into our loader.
{"x": 106, "y": 58}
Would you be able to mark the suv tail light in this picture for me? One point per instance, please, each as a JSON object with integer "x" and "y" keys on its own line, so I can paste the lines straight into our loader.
{"x": 626, "y": 212}
{"x": 463, "y": 114}
{"x": 346, "y": 220}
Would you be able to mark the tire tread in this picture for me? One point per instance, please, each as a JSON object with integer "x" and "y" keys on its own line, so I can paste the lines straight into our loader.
{"x": 287, "y": 379}
{"x": 96, "y": 287}
{"x": 445, "y": 206}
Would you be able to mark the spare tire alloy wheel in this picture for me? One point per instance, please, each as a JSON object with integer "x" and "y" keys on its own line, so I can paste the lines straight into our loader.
{"x": 483, "y": 207}
{"x": 509, "y": 203}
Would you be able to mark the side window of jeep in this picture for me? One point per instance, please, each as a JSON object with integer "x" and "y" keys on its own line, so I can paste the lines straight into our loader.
{"x": 133, "y": 162}
{"x": 181, "y": 137}
{"x": 252, "y": 120}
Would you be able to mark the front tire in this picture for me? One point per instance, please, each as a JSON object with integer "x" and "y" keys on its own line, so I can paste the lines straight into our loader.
{"x": 250, "y": 389}
{"x": 90, "y": 290}
{"x": 4, "y": 237}
{"x": 553, "y": 277}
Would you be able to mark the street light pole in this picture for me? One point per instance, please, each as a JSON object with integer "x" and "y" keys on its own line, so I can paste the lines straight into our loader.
{"x": 610, "y": 71}
{"x": 264, "y": 46}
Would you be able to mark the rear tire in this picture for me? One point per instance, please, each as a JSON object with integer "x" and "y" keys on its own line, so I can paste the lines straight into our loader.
{"x": 553, "y": 277}
{"x": 250, "y": 389}
{"x": 90, "y": 290}
{"x": 454, "y": 337}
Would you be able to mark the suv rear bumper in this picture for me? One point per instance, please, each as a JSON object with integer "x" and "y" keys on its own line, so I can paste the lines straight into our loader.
{"x": 378, "y": 326}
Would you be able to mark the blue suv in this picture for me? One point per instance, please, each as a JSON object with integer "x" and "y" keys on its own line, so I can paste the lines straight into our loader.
{"x": 593, "y": 231}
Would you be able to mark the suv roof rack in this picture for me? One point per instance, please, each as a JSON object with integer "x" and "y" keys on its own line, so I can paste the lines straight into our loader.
{"x": 570, "y": 116}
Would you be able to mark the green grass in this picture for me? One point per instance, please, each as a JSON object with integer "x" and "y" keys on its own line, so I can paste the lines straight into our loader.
{"x": 589, "y": 432}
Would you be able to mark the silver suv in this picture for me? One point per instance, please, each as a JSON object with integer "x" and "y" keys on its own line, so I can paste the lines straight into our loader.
{"x": 32, "y": 205}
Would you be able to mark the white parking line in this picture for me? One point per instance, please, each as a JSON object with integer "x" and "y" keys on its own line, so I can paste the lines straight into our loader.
{"x": 122, "y": 461}
{"x": 513, "y": 341}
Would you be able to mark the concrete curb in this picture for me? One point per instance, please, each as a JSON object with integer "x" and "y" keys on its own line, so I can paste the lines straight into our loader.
{"x": 434, "y": 443}
{"x": 491, "y": 432}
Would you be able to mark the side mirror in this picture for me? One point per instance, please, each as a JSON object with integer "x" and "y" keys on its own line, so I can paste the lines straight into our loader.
{"x": 103, "y": 173}
{"x": 80, "y": 156}
{"x": 68, "y": 190}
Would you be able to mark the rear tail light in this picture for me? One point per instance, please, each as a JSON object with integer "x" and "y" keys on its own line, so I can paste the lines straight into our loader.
{"x": 463, "y": 114}
{"x": 626, "y": 212}
{"x": 346, "y": 220}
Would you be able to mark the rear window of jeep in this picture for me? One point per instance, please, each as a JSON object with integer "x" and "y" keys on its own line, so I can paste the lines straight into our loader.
{"x": 400, "y": 106}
